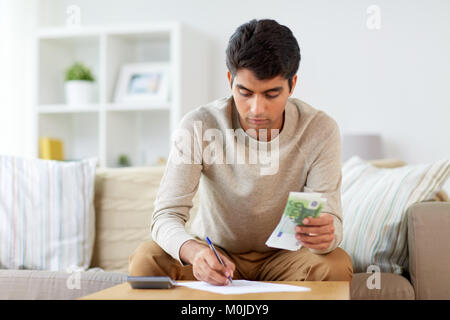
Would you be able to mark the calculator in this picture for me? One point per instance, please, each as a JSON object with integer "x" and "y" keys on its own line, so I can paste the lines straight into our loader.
{"x": 150, "y": 282}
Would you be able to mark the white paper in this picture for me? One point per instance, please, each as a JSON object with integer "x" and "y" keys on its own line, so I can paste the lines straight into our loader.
{"x": 243, "y": 286}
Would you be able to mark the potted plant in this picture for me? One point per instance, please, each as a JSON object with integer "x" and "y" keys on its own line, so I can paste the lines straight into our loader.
{"x": 79, "y": 85}
{"x": 123, "y": 161}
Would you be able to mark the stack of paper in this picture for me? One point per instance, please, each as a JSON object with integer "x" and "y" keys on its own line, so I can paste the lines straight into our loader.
{"x": 243, "y": 286}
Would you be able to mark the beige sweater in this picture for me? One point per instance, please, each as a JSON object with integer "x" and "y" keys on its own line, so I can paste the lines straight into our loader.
{"x": 241, "y": 202}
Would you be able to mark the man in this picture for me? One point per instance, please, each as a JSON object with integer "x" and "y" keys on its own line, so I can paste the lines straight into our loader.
{"x": 240, "y": 204}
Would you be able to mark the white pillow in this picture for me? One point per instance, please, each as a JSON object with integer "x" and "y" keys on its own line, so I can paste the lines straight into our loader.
{"x": 47, "y": 218}
{"x": 374, "y": 204}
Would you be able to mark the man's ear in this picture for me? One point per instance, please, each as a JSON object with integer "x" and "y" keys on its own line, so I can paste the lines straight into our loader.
{"x": 294, "y": 82}
{"x": 230, "y": 79}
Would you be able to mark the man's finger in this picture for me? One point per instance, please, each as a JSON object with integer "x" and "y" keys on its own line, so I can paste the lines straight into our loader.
{"x": 211, "y": 276}
{"x": 228, "y": 264}
{"x": 323, "y": 219}
{"x": 315, "y": 229}
{"x": 214, "y": 264}
{"x": 327, "y": 238}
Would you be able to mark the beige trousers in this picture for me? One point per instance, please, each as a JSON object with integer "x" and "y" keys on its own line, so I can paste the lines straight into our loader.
{"x": 282, "y": 265}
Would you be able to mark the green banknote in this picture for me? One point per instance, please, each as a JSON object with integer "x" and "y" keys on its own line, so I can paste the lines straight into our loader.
{"x": 299, "y": 206}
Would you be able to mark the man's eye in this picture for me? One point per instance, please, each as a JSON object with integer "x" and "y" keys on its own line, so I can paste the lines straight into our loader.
{"x": 245, "y": 94}
{"x": 267, "y": 95}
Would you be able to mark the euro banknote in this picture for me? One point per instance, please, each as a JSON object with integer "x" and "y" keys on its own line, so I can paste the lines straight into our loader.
{"x": 299, "y": 206}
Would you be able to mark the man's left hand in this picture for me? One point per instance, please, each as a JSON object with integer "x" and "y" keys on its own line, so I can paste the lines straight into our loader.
{"x": 316, "y": 233}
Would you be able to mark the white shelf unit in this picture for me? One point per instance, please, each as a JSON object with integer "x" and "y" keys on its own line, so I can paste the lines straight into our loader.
{"x": 107, "y": 129}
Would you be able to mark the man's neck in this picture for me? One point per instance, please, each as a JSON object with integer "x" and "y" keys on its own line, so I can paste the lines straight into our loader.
{"x": 278, "y": 127}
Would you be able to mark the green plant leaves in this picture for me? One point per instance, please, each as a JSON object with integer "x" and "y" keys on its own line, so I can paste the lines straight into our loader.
{"x": 79, "y": 71}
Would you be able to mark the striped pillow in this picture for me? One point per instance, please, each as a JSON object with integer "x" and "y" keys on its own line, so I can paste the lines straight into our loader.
{"x": 374, "y": 204}
{"x": 46, "y": 213}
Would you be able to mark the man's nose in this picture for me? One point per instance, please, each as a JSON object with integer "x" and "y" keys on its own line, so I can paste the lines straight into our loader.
{"x": 257, "y": 105}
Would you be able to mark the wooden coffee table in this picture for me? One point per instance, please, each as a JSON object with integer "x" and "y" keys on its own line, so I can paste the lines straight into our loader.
{"x": 320, "y": 290}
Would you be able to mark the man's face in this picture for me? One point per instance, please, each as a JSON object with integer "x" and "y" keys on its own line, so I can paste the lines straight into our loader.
{"x": 260, "y": 103}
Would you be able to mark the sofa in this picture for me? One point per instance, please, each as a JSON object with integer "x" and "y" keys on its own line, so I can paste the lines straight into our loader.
{"x": 124, "y": 202}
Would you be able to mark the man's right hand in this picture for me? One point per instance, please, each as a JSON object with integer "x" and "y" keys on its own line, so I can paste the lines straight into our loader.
{"x": 205, "y": 265}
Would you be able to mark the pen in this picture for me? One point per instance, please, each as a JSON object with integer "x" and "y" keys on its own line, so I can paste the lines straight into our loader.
{"x": 217, "y": 256}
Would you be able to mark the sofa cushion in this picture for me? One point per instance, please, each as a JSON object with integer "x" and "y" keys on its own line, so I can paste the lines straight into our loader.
{"x": 54, "y": 285}
{"x": 428, "y": 247}
{"x": 374, "y": 202}
{"x": 391, "y": 287}
{"x": 46, "y": 213}
{"x": 441, "y": 195}
{"x": 124, "y": 200}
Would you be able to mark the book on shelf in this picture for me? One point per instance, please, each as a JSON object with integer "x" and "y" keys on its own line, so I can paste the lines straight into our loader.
{"x": 51, "y": 149}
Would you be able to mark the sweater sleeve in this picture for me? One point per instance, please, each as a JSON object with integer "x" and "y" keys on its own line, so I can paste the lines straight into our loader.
{"x": 178, "y": 187}
{"x": 325, "y": 176}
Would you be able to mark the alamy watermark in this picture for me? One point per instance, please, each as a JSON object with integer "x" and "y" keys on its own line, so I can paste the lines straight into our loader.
{"x": 373, "y": 21}
{"x": 73, "y": 282}
{"x": 374, "y": 281}
{"x": 73, "y": 16}
{"x": 227, "y": 148}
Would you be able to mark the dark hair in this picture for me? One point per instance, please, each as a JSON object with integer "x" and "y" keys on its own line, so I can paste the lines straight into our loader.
{"x": 266, "y": 48}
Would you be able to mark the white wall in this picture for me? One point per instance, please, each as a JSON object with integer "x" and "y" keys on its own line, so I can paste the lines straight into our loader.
{"x": 394, "y": 81}
{"x": 17, "y": 21}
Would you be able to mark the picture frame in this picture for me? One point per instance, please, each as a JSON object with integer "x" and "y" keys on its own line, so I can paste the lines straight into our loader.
{"x": 143, "y": 83}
